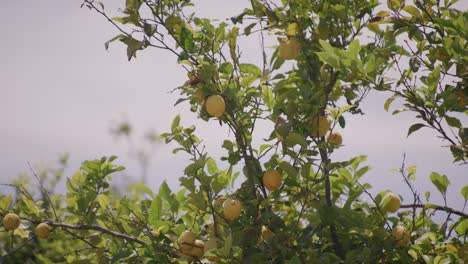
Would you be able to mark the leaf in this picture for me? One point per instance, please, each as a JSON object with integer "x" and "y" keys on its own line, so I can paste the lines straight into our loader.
{"x": 175, "y": 123}
{"x": 132, "y": 46}
{"x": 440, "y": 182}
{"x": 412, "y": 10}
{"x": 453, "y": 122}
{"x": 23, "y": 233}
{"x": 106, "y": 45}
{"x": 250, "y": 68}
{"x": 186, "y": 39}
{"x": 268, "y": 97}
{"x": 103, "y": 200}
{"x": 389, "y": 102}
{"x": 414, "y": 128}
{"x": 180, "y": 100}
{"x": 164, "y": 191}
{"x": 464, "y": 192}
{"x": 155, "y": 212}
{"x": 462, "y": 227}
{"x": 295, "y": 139}
{"x": 211, "y": 166}
{"x": 232, "y": 42}
{"x": 427, "y": 194}
{"x": 5, "y": 202}
{"x": 31, "y": 206}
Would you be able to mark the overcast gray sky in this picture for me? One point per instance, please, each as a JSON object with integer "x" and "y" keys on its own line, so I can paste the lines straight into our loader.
{"x": 60, "y": 90}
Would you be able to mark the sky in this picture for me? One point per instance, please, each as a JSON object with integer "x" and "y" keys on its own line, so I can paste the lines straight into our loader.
{"x": 61, "y": 91}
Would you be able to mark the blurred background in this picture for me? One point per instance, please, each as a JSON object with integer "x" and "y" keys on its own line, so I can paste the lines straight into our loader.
{"x": 62, "y": 92}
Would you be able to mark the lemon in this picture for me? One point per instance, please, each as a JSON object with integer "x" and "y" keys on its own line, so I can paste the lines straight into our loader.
{"x": 289, "y": 49}
{"x": 335, "y": 138}
{"x": 272, "y": 180}
{"x": 319, "y": 126}
{"x": 42, "y": 231}
{"x": 215, "y": 105}
{"x": 11, "y": 221}
{"x": 391, "y": 202}
{"x": 232, "y": 208}
{"x": 186, "y": 241}
{"x": 400, "y": 235}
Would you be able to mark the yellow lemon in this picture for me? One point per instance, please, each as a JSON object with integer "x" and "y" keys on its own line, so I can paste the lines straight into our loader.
{"x": 319, "y": 126}
{"x": 186, "y": 241}
{"x": 335, "y": 138}
{"x": 232, "y": 208}
{"x": 215, "y": 105}
{"x": 391, "y": 202}
{"x": 272, "y": 180}
{"x": 289, "y": 49}
{"x": 11, "y": 221}
{"x": 197, "y": 250}
{"x": 42, "y": 231}
{"x": 400, "y": 235}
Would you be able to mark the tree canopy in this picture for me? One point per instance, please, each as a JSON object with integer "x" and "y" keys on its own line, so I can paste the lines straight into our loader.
{"x": 286, "y": 200}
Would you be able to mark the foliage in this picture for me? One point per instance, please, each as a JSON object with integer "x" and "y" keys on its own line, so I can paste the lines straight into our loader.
{"x": 323, "y": 212}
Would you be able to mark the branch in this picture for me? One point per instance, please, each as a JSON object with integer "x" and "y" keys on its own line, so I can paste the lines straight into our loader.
{"x": 86, "y": 227}
{"x": 437, "y": 208}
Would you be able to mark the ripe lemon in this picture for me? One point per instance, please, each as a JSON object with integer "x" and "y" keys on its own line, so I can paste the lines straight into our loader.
{"x": 272, "y": 180}
{"x": 400, "y": 235}
{"x": 215, "y": 105}
{"x": 335, "y": 138}
{"x": 11, "y": 221}
{"x": 197, "y": 250}
{"x": 212, "y": 243}
{"x": 42, "y": 231}
{"x": 391, "y": 202}
{"x": 186, "y": 241}
{"x": 232, "y": 208}
{"x": 319, "y": 126}
{"x": 289, "y": 49}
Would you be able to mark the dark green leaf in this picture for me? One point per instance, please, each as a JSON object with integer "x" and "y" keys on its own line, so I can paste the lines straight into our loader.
{"x": 414, "y": 128}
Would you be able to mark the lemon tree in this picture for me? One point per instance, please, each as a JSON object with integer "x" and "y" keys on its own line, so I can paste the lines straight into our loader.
{"x": 287, "y": 199}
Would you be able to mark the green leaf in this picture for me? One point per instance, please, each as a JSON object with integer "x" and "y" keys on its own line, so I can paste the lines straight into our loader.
{"x": 5, "y": 202}
{"x": 211, "y": 166}
{"x": 132, "y": 46}
{"x": 226, "y": 68}
{"x": 106, "y": 45}
{"x": 103, "y": 200}
{"x": 250, "y": 68}
{"x": 412, "y": 10}
{"x": 414, "y": 128}
{"x": 268, "y": 97}
{"x": 389, "y": 102}
{"x": 155, "y": 212}
{"x": 453, "y": 122}
{"x": 427, "y": 194}
{"x": 186, "y": 39}
{"x": 462, "y": 227}
{"x": 232, "y": 42}
{"x": 295, "y": 139}
{"x": 164, "y": 191}
{"x": 464, "y": 192}
{"x": 175, "y": 123}
{"x": 440, "y": 182}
